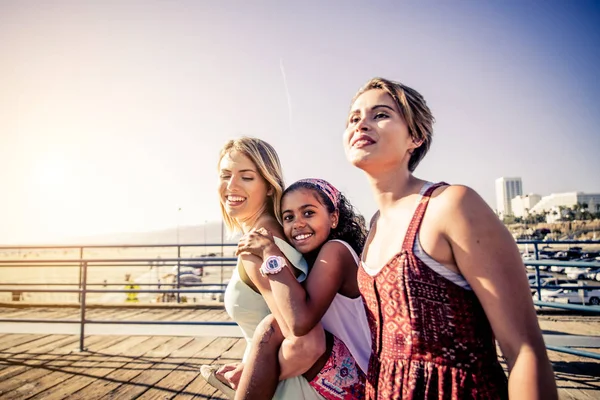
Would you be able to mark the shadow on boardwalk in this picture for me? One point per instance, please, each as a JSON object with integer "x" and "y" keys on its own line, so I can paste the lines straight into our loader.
{"x": 123, "y": 366}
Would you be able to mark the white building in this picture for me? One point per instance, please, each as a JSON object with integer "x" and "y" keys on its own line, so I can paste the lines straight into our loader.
{"x": 506, "y": 190}
{"x": 522, "y": 205}
{"x": 554, "y": 201}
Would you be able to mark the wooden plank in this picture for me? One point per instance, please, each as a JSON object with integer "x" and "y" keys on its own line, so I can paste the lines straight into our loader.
{"x": 199, "y": 388}
{"x": 234, "y": 354}
{"x": 199, "y": 315}
{"x": 186, "y": 371}
{"x": 176, "y": 371}
{"x": 13, "y": 340}
{"x": 20, "y": 358}
{"x": 576, "y": 377}
{"x": 152, "y": 370}
{"x": 113, "y": 371}
{"x": 47, "y": 313}
{"x": 73, "y": 375}
{"x": 26, "y": 378}
{"x": 100, "y": 388}
{"x": 118, "y": 315}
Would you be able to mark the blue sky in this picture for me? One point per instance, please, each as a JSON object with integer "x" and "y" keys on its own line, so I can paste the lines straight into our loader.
{"x": 112, "y": 113}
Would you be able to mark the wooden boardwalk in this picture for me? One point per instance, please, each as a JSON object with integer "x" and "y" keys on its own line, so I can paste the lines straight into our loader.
{"x": 124, "y": 366}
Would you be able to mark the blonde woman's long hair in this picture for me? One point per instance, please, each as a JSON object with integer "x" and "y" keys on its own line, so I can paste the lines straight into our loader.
{"x": 266, "y": 160}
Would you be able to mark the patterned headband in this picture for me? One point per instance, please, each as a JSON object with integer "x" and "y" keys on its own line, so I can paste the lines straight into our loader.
{"x": 330, "y": 191}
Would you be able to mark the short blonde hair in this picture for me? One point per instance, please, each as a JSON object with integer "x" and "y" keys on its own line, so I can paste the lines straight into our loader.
{"x": 414, "y": 110}
{"x": 265, "y": 158}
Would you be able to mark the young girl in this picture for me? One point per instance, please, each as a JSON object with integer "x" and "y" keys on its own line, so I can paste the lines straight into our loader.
{"x": 441, "y": 276}
{"x": 321, "y": 224}
{"x": 250, "y": 189}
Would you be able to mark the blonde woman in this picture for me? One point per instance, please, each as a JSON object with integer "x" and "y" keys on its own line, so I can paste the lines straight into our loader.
{"x": 250, "y": 189}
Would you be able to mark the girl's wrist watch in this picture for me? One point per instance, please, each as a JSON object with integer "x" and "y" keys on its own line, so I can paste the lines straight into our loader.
{"x": 272, "y": 265}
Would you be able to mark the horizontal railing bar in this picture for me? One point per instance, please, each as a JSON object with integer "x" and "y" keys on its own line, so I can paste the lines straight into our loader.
{"x": 113, "y": 246}
{"x": 551, "y": 263}
{"x": 123, "y": 265}
{"x": 115, "y": 291}
{"x": 96, "y": 321}
{"x": 119, "y": 260}
{"x": 119, "y": 322}
{"x": 555, "y": 287}
{"x": 566, "y": 306}
{"x": 111, "y": 284}
{"x": 558, "y": 242}
{"x": 183, "y": 283}
{"x": 75, "y": 263}
{"x": 574, "y": 352}
{"x": 50, "y": 321}
{"x": 217, "y": 262}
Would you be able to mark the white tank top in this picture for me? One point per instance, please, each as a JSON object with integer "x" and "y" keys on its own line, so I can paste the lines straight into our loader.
{"x": 346, "y": 318}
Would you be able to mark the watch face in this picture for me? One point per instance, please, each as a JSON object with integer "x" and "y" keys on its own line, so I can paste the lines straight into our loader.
{"x": 272, "y": 264}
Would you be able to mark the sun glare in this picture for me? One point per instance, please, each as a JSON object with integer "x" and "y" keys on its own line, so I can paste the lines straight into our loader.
{"x": 52, "y": 171}
{"x": 55, "y": 195}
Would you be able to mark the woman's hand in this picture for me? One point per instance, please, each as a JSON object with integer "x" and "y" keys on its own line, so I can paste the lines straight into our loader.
{"x": 257, "y": 242}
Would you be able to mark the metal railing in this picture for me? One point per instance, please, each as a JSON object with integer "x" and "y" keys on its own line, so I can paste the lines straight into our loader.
{"x": 83, "y": 286}
{"x": 538, "y": 286}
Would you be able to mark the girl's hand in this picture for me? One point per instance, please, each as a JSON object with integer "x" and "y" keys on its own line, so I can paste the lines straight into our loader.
{"x": 257, "y": 242}
{"x": 230, "y": 374}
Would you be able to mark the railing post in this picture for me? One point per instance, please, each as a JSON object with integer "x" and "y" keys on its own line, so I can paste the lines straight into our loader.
{"x": 535, "y": 249}
{"x": 82, "y": 307}
{"x": 80, "y": 268}
{"x": 222, "y": 249}
{"x": 537, "y": 282}
{"x": 178, "y": 273}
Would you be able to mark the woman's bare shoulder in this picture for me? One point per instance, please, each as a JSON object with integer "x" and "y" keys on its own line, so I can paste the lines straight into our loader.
{"x": 271, "y": 225}
{"x": 452, "y": 198}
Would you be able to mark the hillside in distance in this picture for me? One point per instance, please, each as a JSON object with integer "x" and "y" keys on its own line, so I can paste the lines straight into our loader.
{"x": 191, "y": 234}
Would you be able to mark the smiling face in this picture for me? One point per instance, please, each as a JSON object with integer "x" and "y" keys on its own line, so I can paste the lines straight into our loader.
{"x": 243, "y": 192}
{"x": 376, "y": 134}
{"x": 306, "y": 220}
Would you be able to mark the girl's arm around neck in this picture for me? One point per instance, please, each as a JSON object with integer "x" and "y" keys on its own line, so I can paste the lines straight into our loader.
{"x": 251, "y": 265}
{"x": 303, "y": 307}
{"x": 487, "y": 256}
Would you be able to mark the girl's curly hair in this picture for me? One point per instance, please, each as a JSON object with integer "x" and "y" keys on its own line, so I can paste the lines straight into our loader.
{"x": 351, "y": 225}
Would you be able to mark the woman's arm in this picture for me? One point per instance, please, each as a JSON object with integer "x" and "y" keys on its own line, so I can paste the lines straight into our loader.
{"x": 488, "y": 258}
{"x": 303, "y": 307}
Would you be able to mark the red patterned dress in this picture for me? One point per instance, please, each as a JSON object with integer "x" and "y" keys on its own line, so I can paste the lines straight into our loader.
{"x": 431, "y": 338}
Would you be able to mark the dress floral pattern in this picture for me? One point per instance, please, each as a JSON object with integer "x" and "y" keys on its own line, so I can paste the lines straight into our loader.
{"x": 430, "y": 337}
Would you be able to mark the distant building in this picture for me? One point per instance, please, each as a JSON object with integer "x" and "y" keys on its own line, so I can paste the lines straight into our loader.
{"x": 522, "y": 205}
{"x": 506, "y": 190}
{"x": 553, "y": 202}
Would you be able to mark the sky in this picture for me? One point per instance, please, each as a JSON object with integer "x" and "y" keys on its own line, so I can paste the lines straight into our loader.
{"x": 112, "y": 113}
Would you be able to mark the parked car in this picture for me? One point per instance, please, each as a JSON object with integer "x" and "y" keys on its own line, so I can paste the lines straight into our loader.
{"x": 543, "y": 277}
{"x": 590, "y": 255}
{"x": 571, "y": 294}
{"x": 581, "y": 273}
{"x": 568, "y": 255}
{"x": 557, "y": 269}
{"x": 551, "y": 281}
{"x": 592, "y": 273}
